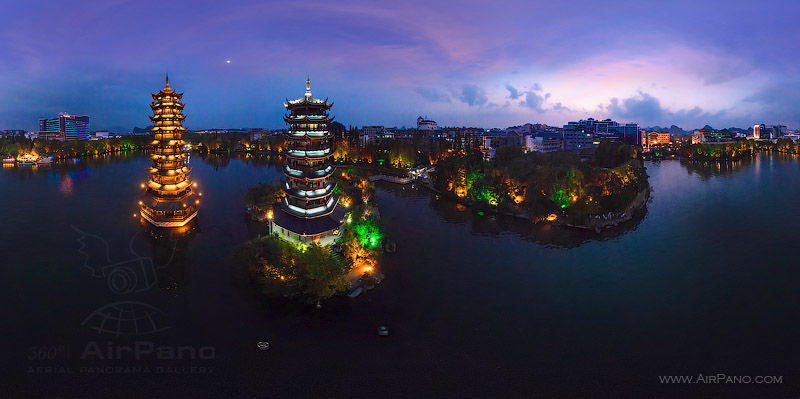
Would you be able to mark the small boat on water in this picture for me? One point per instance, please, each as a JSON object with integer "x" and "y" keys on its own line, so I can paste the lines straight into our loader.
{"x": 356, "y": 292}
{"x": 46, "y": 160}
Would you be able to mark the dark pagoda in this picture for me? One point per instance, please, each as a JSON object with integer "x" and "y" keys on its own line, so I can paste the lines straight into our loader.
{"x": 309, "y": 212}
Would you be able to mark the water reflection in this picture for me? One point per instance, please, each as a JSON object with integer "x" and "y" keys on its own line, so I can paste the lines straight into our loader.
{"x": 169, "y": 252}
{"x": 221, "y": 161}
{"x": 708, "y": 169}
{"x": 65, "y": 185}
{"x": 489, "y": 224}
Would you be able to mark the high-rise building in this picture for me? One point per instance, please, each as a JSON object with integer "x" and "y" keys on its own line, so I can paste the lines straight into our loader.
{"x": 588, "y": 133}
{"x": 169, "y": 199}
{"x": 654, "y": 139}
{"x": 309, "y": 212}
{"x": 65, "y": 127}
{"x": 578, "y": 137}
{"x": 764, "y": 132}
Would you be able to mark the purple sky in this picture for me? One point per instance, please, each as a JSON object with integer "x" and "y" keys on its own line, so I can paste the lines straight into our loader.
{"x": 489, "y": 64}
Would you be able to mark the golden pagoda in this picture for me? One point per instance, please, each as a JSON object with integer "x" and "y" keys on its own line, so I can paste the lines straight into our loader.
{"x": 309, "y": 212}
{"x": 169, "y": 199}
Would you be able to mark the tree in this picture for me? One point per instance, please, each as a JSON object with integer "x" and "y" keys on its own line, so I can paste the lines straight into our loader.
{"x": 262, "y": 197}
{"x": 306, "y": 273}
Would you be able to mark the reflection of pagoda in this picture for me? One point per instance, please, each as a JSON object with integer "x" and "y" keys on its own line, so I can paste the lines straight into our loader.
{"x": 309, "y": 211}
{"x": 169, "y": 200}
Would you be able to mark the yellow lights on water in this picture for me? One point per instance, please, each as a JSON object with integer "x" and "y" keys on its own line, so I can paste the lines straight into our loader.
{"x": 551, "y": 217}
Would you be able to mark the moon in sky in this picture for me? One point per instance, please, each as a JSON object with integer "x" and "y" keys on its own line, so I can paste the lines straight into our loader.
{"x": 228, "y": 61}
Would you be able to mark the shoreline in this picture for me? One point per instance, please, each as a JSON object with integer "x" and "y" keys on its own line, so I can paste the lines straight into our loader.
{"x": 596, "y": 222}
{"x": 600, "y": 222}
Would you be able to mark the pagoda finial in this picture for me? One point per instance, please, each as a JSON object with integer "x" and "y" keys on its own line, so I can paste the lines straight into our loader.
{"x": 308, "y": 86}
{"x": 167, "y": 79}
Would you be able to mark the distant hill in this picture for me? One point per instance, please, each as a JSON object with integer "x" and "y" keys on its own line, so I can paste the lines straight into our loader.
{"x": 141, "y": 130}
{"x": 674, "y": 130}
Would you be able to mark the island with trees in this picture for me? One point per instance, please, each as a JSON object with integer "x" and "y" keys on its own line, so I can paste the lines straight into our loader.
{"x": 311, "y": 273}
{"x": 560, "y": 187}
{"x": 732, "y": 151}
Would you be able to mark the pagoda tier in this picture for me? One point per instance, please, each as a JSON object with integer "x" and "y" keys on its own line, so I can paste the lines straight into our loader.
{"x": 169, "y": 200}
{"x": 309, "y": 207}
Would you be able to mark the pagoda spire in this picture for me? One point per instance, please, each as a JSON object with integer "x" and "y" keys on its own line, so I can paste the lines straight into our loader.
{"x": 167, "y": 79}
{"x": 308, "y": 86}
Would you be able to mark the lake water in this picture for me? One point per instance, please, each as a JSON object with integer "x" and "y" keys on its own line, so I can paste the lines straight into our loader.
{"x": 705, "y": 281}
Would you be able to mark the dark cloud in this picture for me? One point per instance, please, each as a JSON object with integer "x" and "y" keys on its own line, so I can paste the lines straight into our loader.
{"x": 779, "y": 103}
{"x": 642, "y": 106}
{"x": 533, "y": 101}
{"x": 559, "y": 107}
{"x": 432, "y": 94}
{"x": 471, "y": 94}
{"x": 645, "y": 109}
{"x": 513, "y": 93}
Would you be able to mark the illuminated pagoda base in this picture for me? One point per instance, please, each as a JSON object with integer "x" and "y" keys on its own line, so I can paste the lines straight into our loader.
{"x": 169, "y": 200}
{"x": 324, "y": 230}
{"x": 169, "y": 232}
{"x": 309, "y": 213}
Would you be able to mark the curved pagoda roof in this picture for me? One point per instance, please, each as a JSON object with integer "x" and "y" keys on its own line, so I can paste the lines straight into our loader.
{"x": 167, "y": 91}
{"x": 309, "y": 118}
{"x": 308, "y": 99}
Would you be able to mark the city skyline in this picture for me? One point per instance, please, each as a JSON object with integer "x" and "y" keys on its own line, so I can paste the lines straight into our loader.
{"x": 688, "y": 64}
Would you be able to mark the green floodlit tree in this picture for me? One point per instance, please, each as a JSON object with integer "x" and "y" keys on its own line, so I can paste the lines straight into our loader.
{"x": 367, "y": 232}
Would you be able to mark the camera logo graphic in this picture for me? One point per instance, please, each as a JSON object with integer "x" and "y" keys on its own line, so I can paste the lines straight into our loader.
{"x": 135, "y": 275}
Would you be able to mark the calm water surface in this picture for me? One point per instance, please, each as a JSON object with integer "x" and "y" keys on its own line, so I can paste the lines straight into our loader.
{"x": 704, "y": 282}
